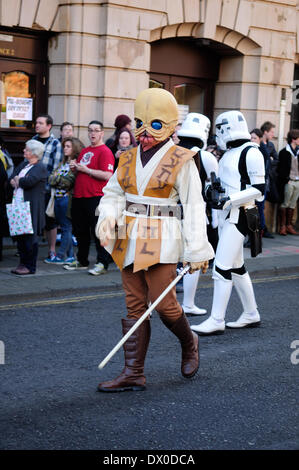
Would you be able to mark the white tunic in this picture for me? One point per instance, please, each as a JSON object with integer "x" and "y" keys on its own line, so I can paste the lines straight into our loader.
{"x": 184, "y": 240}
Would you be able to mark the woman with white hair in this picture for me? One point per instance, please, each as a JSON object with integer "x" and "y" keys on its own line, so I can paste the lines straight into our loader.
{"x": 29, "y": 180}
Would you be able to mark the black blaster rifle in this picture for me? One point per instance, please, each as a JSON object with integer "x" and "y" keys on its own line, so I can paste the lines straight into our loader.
{"x": 214, "y": 193}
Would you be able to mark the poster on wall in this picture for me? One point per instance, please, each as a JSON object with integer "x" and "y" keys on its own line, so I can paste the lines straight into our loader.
{"x": 183, "y": 111}
{"x": 18, "y": 109}
{"x": 3, "y": 121}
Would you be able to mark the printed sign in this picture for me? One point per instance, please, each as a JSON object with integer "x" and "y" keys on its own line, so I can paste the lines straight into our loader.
{"x": 6, "y": 38}
{"x": 3, "y": 121}
{"x": 19, "y": 109}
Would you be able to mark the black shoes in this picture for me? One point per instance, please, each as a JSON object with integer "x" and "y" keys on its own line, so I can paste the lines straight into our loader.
{"x": 267, "y": 234}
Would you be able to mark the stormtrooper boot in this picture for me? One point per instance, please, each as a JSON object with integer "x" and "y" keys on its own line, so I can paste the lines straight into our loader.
{"x": 215, "y": 324}
{"x": 190, "y": 282}
{"x": 250, "y": 317}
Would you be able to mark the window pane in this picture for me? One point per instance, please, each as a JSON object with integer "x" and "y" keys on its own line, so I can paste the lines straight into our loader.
{"x": 295, "y": 100}
{"x": 191, "y": 96}
{"x": 15, "y": 84}
{"x": 155, "y": 84}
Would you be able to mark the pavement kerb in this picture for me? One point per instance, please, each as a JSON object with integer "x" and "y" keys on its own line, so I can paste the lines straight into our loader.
{"x": 116, "y": 286}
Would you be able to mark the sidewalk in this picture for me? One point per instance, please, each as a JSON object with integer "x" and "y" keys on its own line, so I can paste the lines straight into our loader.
{"x": 280, "y": 255}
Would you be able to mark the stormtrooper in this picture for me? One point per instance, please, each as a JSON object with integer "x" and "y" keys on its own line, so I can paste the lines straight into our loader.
{"x": 237, "y": 208}
{"x": 193, "y": 135}
{"x": 140, "y": 224}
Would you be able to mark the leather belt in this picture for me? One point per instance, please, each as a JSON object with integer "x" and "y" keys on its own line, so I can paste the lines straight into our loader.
{"x": 155, "y": 210}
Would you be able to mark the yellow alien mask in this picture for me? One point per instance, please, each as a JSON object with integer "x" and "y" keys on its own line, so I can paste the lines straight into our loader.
{"x": 156, "y": 112}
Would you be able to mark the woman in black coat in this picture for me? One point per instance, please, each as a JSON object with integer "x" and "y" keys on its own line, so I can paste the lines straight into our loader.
{"x": 3, "y": 179}
{"x": 28, "y": 181}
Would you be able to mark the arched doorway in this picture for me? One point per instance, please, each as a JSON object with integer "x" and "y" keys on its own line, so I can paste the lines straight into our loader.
{"x": 188, "y": 68}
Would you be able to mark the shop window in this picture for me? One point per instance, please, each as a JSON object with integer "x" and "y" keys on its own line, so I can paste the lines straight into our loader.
{"x": 17, "y": 95}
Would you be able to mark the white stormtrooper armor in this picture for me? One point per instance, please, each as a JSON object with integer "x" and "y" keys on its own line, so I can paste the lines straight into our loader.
{"x": 230, "y": 178}
{"x": 229, "y": 266}
{"x": 196, "y": 127}
{"x": 230, "y": 126}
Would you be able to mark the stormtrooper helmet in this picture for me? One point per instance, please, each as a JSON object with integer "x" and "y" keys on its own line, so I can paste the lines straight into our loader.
{"x": 230, "y": 126}
{"x": 156, "y": 112}
{"x": 196, "y": 126}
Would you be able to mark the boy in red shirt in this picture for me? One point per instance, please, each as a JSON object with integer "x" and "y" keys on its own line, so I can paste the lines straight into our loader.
{"x": 94, "y": 167}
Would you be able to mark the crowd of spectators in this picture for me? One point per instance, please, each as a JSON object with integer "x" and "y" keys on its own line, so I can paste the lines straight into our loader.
{"x": 63, "y": 179}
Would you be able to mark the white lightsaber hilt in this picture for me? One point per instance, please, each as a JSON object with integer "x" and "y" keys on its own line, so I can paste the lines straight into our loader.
{"x": 144, "y": 316}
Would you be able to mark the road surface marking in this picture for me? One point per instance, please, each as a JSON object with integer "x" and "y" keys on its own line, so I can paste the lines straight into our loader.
{"x": 86, "y": 298}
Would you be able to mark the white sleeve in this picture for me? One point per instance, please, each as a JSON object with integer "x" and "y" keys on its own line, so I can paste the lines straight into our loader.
{"x": 196, "y": 245}
{"x": 113, "y": 202}
{"x": 209, "y": 162}
{"x": 255, "y": 166}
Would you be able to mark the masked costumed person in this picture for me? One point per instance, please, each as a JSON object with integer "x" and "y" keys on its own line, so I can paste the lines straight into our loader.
{"x": 193, "y": 135}
{"x": 241, "y": 172}
{"x": 141, "y": 226}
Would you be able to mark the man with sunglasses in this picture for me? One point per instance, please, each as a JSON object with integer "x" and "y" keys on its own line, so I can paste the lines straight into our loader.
{"x": 93, "y": 168}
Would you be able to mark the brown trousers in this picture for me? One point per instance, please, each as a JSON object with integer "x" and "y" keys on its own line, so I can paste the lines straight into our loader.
{"x": 144, "y": 286}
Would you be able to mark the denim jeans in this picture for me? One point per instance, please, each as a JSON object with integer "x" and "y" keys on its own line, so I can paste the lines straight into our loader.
{"x": 66, "y": 244}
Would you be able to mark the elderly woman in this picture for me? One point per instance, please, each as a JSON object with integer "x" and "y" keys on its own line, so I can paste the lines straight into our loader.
{"x": 29, "y": 181}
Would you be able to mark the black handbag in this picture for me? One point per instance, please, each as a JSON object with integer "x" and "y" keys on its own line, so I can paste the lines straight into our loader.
{"x": 254, "y": 232}
{"x": 252, "y": 214}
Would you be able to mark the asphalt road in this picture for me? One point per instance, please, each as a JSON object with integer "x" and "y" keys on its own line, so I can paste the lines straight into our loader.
{"x": 245, "y": 395}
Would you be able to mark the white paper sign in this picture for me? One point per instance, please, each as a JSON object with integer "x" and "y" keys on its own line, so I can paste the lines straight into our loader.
{"x": 19, "y": 109}
{"x": 3, "y": 121}
{"x": 6, "y": 38}
{"x": 183, "y": 111}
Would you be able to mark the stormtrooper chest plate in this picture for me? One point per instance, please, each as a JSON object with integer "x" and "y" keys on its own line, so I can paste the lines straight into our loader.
{"x": 229, "y": 171}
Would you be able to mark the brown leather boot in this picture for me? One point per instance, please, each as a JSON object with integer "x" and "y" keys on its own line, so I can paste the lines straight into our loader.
{"x": 282, "y": 222}
{"x": 290, "y": 229}
{"x": 135, "y": 348}
{"x": 190, "y": 346}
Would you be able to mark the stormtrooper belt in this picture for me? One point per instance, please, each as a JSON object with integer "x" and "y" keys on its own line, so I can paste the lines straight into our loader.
{"x": 155, "y": 210}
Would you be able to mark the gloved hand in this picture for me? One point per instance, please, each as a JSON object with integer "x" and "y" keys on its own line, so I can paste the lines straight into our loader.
{"x": 203, "y": 265}
{"x": 227, "y": 203}
{"x": 104, "y": 230}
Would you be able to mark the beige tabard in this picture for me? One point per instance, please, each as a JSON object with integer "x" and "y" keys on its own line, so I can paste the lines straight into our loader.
{"x": 149, "y": 231}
